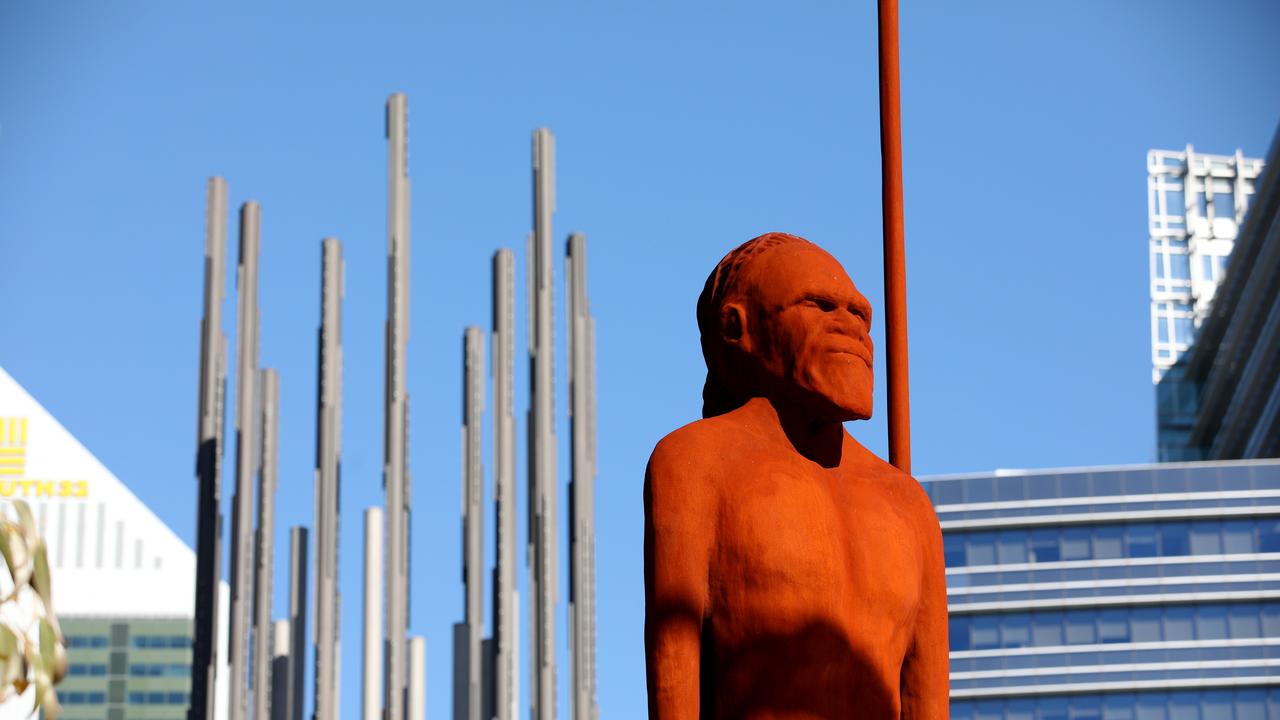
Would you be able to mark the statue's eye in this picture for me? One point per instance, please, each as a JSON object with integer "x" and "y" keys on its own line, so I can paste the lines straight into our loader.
{"x": 821, "y": 303}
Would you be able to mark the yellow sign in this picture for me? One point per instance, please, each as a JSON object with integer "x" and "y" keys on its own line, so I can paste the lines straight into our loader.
{"x": 44, "y": 488}
{"x": 13, "y": 447}
{"x": 13, "y": 467}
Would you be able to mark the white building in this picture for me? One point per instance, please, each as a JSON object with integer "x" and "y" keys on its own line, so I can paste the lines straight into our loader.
{"x": 123, "y": 582}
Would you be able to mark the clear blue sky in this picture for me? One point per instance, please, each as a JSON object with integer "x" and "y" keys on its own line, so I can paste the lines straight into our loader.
{"x": 682, "y": 131}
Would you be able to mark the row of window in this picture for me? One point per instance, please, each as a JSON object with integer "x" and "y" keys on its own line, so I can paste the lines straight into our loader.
{"x": 1145, "y": 481}
{"x": 1140, "y": 576}
{"x": 1248, "y": 654}
{"x": 1084, "y": 593}
{"x": 82, "y": 698}
{"x": 160, "y": 670}
{"x": 137, "y": 670}
{"x": 1106, "y": 542}
{"x": 1219, "y": 505}
{"x": 86, "y": 641}
{"x": 138, "y": 641}
{"x": 1049, "y": 628}
{"x": 1244, "y": 704}
{"x": 154, "y": 642}
{"x": 159, "y": 698}
{"x": 1132, "y": 676}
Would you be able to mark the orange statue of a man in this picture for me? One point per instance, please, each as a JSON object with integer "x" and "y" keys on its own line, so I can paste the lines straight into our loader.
{"x": 789, "y": 572}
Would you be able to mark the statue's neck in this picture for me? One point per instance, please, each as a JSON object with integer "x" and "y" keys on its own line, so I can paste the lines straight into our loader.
{"x": 820, "y": 441}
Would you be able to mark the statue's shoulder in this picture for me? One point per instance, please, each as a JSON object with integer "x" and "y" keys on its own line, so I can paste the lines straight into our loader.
{"x": 907, "y": 491}
{"x": 697, "y": 450}
{"x": 682, "y": 479}
{"x": 685, "y": 446}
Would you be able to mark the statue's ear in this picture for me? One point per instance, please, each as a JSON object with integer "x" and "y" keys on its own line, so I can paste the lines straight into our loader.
{"x": 733, "y": 325}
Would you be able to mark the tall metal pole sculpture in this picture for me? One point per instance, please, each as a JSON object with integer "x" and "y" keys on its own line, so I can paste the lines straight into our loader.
{"x": 263, "y": 630}
{"x": 895, "y": 257}
{"x": 371, "y": 678}
{"x": 505, "y": 671}
{"x": 467, "y": 655}
{"x": 246, "y": 439}
{"x": 209, "y": 426}
{"x": 395, "y": 472}
{"x": 582, "y": 514}
{"x": 328, "y": 478}
{"x": 542, "y": 441}
{"x": 416, "y": 692}
{"x": 280, "y": 672}
{"x": 297, "y": 620}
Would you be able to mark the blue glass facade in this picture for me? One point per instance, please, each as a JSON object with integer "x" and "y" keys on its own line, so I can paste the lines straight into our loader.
{"x": 1139, "y": 592}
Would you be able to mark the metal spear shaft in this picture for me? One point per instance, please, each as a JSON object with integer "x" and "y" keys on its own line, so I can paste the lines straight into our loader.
{"x": 895, "y": 261}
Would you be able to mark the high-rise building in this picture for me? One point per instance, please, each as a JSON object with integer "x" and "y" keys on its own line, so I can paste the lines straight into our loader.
{"x": 1145, "y": 592}
{"x": 1148, "y": 592}
{"x": 1231, "y": 374}
{"x": 123, "y": 582}
{"x": 1196, "y": 206}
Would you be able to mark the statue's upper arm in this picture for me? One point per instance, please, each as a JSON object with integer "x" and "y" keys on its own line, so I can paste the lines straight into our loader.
{"x": 679, "y": 528}
{"x": 925, "y": 676}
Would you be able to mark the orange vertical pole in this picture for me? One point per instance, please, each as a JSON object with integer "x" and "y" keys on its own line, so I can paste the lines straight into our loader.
{"x": 895, "y": 261}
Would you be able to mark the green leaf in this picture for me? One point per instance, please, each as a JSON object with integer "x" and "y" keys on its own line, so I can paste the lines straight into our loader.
{"x": 54, "y": 662}
{"x": 10, "y": 664}
{"x": 16, "y": 555}
{"x": 8, "y": 642}
{"x": 40, "y": 580}
{"x": 59, "y": 660}
{"x": 51, "y": 707}
{"x": 25, "y": 519}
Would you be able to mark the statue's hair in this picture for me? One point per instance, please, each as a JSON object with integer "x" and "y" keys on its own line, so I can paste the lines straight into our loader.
{"x": 719, "y": 395}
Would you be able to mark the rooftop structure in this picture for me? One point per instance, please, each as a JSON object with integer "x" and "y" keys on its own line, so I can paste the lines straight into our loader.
{"x": 1234, "y": 365}
{"x": 1196, "y": 205}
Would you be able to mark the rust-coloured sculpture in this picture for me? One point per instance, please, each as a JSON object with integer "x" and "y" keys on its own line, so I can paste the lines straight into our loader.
{"x": 789, "y": 572}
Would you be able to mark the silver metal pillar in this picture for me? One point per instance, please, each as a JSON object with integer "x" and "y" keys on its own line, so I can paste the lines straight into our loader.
{"x": 209, "y": 425}
{"x": 297, "y": 620}
{"x": 417, "y": 690}
{"x": 506, "y": 661}
{"x": 395, "y": 471}
{"x": 328, "y": 479}
{"x": 371, "y": 677}
{"x": 542, "y": 441}
{"x": 472, "y": 497}
{"x": 263, "y": 540}
{"x": 246, "y": 438}
{"x": 582, "y": 516}
{"x": 280, "y": 671}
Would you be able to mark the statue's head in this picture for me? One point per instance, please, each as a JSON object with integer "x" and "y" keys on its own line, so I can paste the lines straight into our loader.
{"x": 781, "y": 319}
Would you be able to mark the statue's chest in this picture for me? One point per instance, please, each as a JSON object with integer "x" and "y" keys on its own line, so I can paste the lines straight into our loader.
{"x": 794, "y": 544}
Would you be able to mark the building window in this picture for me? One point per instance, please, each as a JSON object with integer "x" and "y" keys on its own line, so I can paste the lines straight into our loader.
{"x": 1109, "y": 542}
{"x": 157, "y": 642}
{"x": 1044, "y": 546}
{"x": 86, "y": 641}
{"x": 1054, "y": 628}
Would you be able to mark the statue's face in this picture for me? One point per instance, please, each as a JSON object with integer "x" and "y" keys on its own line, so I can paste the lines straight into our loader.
{"x": 810, "y": 329}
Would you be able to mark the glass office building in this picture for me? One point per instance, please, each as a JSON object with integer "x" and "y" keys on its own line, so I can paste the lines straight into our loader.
{"x": 1120, "y": 593}
{"x": 138, "y": 668}
{"x": 1221, "y": 401}
{"x": 1196, "y": 206}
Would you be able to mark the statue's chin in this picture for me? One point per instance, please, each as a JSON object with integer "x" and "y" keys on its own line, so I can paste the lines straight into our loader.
{"x": 840, "y": 405}
{"x": 839, "y": 397}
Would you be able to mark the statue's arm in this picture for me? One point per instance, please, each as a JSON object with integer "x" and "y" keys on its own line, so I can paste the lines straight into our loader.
{"x": 925, "y": 686}
{"x": 677, "y": 541}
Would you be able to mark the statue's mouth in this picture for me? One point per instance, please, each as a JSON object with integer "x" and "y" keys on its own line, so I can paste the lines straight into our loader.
{"x": 861, "y": 355}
